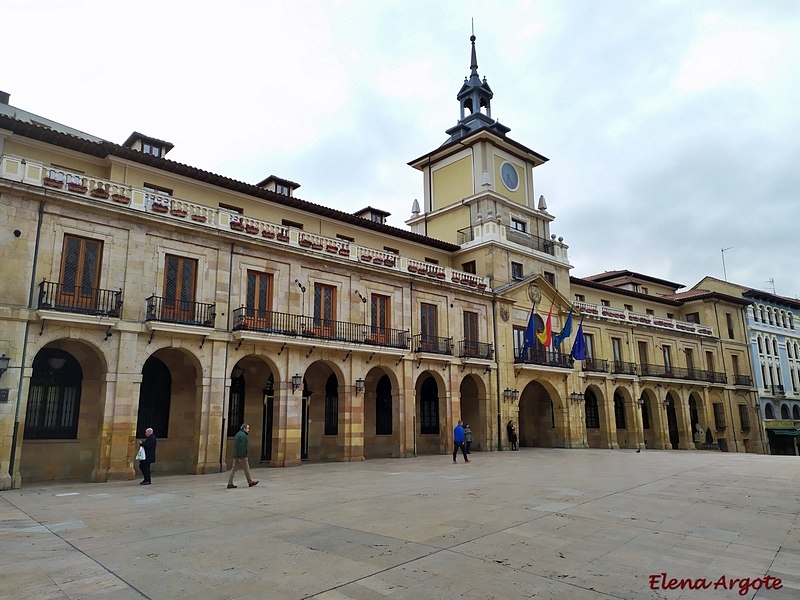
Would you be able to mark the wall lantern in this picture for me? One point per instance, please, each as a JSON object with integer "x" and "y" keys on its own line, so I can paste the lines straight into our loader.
{"x": 510, "y": 395}
{"x": 666, "y": 403}
{"x": 297, "y": 381}
{"x": 576, "y": 397}
{"x": 359, "y": 386}
{"x": 640, "y": 401}
{"x": 237, "y": 372}
{"x": 3, "y": 364}
{"x": 56, "y": 362}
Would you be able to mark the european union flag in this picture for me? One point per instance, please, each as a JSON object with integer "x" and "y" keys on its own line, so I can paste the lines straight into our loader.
{"x": 579, "y": 346}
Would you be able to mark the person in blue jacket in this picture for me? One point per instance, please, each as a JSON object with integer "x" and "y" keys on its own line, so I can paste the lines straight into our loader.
{"x": 458, "y": 442}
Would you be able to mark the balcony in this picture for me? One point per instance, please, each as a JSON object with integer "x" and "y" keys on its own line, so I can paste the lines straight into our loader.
{"x": 196, "y": 215}
{"x": 597, "y": 365}
{"x": 245, "y": 319}
{"x": 716, "y": 377}
{"x": 472, "y": 349}
{"x": 433, "y": 345}
{"x": 465, "y": 235}
{"x": 79, "y": 299}
{"x": 635, "y": 318}
{"x": 620, "y": 367}
{"x": 183, "y": 312}
{"x": 547, "y": 358}
{"x": 777, "y": 390}
{"x": 531, "y": 241}
{"x": 743, "y": 380}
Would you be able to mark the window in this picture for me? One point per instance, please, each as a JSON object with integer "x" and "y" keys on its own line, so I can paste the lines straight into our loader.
{"x": 719, "y": 415}
{"x": 592, "y": 414}
{"x": 432, "y": 261}
{"x": 667, "y": 357}
{"x": 288, "y": 223}
{"x": 381, "y": 318}
{"x": 650, "y": 311}
{"x": 236, "y": 405}
{"x": 628, "y": 307}
{"x": 729, "y": 322}
{"x": 392, "y": 250}
{"x": 428, "y": 327}
{"x": 519, "y": 340}
{"x": 324, "y": 309}
{"x": 689, "y": 360}
{"x": 769, "y": 412}
{"x": 775, "y": 346}
{"x": 234, "y": 209}
{"x": 744, "y": 417}
{"x": 471, "y": 333}
{"x": 796, "y": 412}
{"x": 259, "y": 297}
{"x": 550, "y": 278}
{"x": 179, "y": 288}
{"x": 670, "y": 315}
{"x": 619, "y": 410}
{"x": 383, "y": 406}
{"x": 332, "y": 406}
{"x": 642, "y": 348}
{"x": 346, "y": 238}
{"x": 785, "y": 412}
{"x": 760, "y": 347}
{"x": 469, "y": 267}
{"x": 80, "y": 273}
{"x": 580, "y": 298}
{"x": 605, "y": 302}
{"x": 735, "y": 362}
{"x": 148, "y": 149}
{"x": 693, "y": 317}
{"x": 516, "y": 270}
{"x": 643, "y": 290}
{"x": 282, "y": 189}
{"x": 429, "y": 407}
{"x": 710, "y": 362}
{"x": 519, "y": 225}
{"x": 589, "y": 339}
{"x": 54, "y": 397}
{"x": 616, "y": 348}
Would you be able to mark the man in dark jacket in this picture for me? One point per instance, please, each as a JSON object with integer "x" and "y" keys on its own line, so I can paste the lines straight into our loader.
{"x": 149, "y": 445}
{"x": 240, "y": 460}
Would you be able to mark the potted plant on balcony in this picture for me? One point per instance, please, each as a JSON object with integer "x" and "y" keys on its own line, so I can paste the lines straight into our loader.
{"x": 99, "y": 192}
{"x": 412, "y": 268}
{"x": 252, "y": 229}
{"x": 366, "y": 257}
{"x": 178, "y": 212}
{"x": 333, "y": 248}
{"x": 282, "y": 237}
{"x": 237, "y": 225}
{"x": 305, "y": 243}
{"x": 455, "y": 277}
{"x": 481, "y": 285}
{"x": 316, "y": 245}
{"x": 377, "y": 260}
{"x": 52, "y": 182}
{"x": 439, "y": 274}
{"x": 159, "y": 208}
{"x": 76, "y": 187}
{"x": 120, "y": 198}
{"x": 269, "y": 234}
{"x": 199, "y": 218}
{"x": 389, "y": 262}
{"x": 344, "y": 251}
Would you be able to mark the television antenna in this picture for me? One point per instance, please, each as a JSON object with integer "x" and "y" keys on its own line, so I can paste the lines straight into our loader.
{"x": 724, "y": 272}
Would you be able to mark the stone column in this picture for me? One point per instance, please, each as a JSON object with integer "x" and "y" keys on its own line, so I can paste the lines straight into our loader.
{"x": 352, "y": 421}
{"x": 288, "y": 413}
{"x": 116, "y": 443}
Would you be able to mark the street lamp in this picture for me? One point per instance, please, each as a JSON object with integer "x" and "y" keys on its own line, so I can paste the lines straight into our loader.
{"x": 359, "y": 386}
{"x": 577, "y": 397}
{"x": 297, "y": 381}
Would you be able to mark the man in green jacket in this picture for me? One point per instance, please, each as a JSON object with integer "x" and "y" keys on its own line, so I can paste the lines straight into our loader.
{"x": 240, "y": 456}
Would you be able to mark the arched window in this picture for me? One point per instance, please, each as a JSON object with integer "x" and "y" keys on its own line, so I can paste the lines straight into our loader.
{"x": 791, "y": 321}
{"x": 619, "y": 410}
{"x": 155, "y": 393}
{"x": 429, "y": 406}
{"x": 796, "y": 412}
{"x": 332, "y": 406}
{"x": 785, "y": 412}
{"x": 592, "y": 414}
{"x": 54, "y": 398}
{"x": 383, "y": 406}
{"x": 769, "y": 412}
{"x": 775, "y": 346}
{"x": 789, "y": 350}
{"x": 760, "y": 346}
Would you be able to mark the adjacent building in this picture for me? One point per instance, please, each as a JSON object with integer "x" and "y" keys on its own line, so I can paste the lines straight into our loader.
{"x": 141, "y": 292}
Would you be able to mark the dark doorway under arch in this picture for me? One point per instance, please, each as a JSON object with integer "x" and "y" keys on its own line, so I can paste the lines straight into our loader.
{"x": 155, "y": 395}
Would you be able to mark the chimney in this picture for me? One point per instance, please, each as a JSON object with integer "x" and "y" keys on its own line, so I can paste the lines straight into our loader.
{"x": 4, "y": 97}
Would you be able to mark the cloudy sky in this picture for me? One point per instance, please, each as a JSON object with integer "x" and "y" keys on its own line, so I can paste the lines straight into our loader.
{"x": 672, "y": 127}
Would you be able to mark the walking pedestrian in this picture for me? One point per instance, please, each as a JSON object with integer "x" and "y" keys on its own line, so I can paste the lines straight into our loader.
{"x": 512, "y": 435}
{"x": 458, "y": 442}
{"x": 148, "y": 444}
{"x": 240, "y": 460}
{"x": 467, "y": 437}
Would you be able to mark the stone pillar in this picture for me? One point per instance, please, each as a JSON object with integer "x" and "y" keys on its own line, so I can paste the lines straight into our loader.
{"x": 288, "y": 413}
{"x": 636, "y": 423}
{"x": 352, "y": 421}
{"x": 659, "y": 417}
{"x": 116, "y": 443}
{"x": 684, "y": 422}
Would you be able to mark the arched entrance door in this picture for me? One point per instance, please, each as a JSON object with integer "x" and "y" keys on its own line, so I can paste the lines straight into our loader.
{"x": 154, "y": 399}
{"x": 593, "y": 419}
{"x": 429, "y": 440}
{"x": 672, "y": 422}
{"x": 471, "y": 413}
{"x": 381, "y": 439}
{"x": 537, "y": 423}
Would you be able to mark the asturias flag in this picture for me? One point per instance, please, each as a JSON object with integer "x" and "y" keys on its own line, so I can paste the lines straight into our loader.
{"x": 546, "y": 336}
{"x": 579, "y": 346}
{"x": 565, "y": 332}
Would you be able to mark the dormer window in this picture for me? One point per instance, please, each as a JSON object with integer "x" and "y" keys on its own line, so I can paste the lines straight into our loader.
{"x": 148, "y": 149}
{"x": 281, "y": 186}
{"x": 147, "y": 145}
{"x": 282, "y": 189}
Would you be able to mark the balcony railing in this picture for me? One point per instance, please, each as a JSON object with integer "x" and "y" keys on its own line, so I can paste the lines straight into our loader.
{"x": 246, "y": 319}
{"x": 433, "y": 345}
{"x": 531, "y": 241}
{"x": 620, "y": 367}
{"x": 172, "y": 310}
{"x": 598, "y": 365}
{"x": 716, "y": 377}
{"x": 636, "y": 318}
{"x": 777, "y": 390}
{"x": 472, "y": 349}
{"x": 465, "y": 235}
{"x": 744, "y": 380}
{"x": 79, "y": 299}
{"x": 548, "y": 358}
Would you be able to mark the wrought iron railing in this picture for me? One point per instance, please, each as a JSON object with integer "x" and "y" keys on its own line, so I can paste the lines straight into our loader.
{"x": 248, "y": 319}
{"x": 541, "y": 356}
{"x": 531, "y": 241}
{"x": 620, "y": 367}
{"x": 743, "y": 380}
{"x": 598, "y": 365}
{"x": 432, "y": 344}
{"x": 472, "y": 349}
{"x": 79, "y": 299}
{"x": 715, "y": 377}
{"x": 465, "y": 235}
{"x": 172, "y": 310}
{"x": 778, "y": 390}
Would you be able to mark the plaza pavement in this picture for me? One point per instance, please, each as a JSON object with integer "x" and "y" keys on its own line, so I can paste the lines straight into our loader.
{"x": 539, "y": 523}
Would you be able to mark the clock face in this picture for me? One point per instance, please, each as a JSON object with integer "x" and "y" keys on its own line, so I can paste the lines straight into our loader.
{"x": 510, "y": 177}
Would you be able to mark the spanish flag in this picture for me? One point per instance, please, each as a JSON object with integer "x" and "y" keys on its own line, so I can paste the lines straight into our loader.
{"x": 547, "y": 335}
